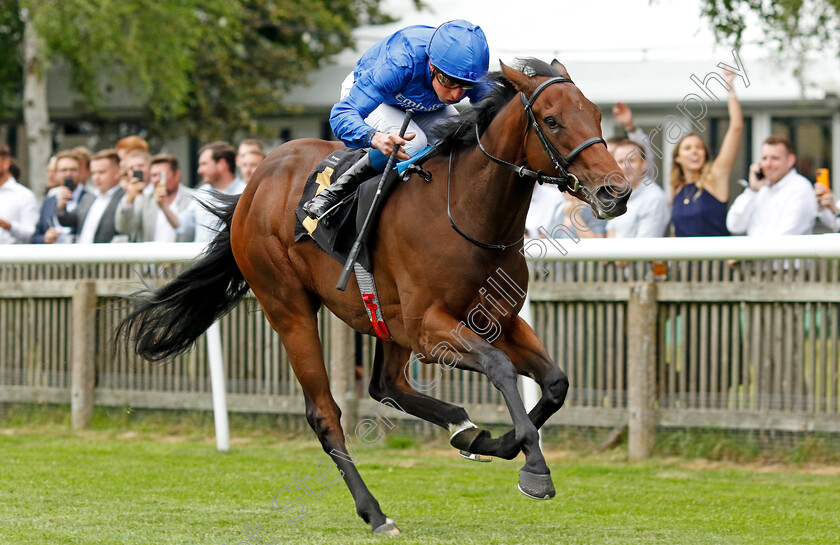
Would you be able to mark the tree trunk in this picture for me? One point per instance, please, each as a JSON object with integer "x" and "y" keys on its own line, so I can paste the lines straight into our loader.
{"x": 35, "y": 114}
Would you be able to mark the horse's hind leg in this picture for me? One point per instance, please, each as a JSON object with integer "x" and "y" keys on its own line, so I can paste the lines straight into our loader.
{"x": 293, "y": 316}
{"x": 389, "y": 383}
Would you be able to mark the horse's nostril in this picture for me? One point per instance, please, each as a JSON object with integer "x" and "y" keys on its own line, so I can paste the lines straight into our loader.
{"x": 615, "y": 185}
{"x": 611, "y": 201}
{"x": 611, "y": 193}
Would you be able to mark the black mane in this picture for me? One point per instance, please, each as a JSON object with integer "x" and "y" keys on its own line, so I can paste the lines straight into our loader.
{"x": 483, "y": 113}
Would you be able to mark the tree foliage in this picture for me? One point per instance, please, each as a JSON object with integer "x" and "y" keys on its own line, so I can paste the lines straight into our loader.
{"x": 794, "y": 26}
{"x": 205, "y": 67}
{"x": 281, "y": 42}
{"x": 11, "y": 68}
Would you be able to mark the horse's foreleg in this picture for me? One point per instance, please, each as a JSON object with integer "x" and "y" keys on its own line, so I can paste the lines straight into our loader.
{"x": 475, "y": 352}
{"x": 530, "y": 358}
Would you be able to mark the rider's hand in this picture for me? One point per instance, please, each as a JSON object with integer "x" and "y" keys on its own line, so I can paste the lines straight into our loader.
{"x": 386, "y": 142}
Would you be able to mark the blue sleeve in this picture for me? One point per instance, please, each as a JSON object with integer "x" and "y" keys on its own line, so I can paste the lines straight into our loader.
{"x": 371, "y": 88}
{"x": 40, "y": 230}
{"x": 43, "y": 225}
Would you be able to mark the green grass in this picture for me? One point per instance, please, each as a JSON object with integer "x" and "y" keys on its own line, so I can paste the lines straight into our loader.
{"x": 156, "y": 478}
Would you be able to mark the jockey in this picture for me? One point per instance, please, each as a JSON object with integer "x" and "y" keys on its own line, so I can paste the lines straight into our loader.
{"x": 418, "y": 68}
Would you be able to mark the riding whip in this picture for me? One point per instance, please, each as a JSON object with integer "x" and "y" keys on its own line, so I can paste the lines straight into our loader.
{"x": 357, "y": 246}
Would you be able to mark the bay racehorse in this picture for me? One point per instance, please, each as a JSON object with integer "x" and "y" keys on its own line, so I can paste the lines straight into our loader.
{"x": 438, "y": 250}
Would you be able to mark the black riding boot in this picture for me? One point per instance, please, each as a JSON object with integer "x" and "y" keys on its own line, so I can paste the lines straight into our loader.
{"x": 347, "y": 182}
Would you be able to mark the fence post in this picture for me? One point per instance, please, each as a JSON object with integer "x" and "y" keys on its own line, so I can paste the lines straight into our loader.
{"x": 83, "y": 365}
{"x": 342, "y": 370}
{"x": 641, "y": 369}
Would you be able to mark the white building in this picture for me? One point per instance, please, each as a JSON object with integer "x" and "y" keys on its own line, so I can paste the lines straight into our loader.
{"x": 608, "y": 62}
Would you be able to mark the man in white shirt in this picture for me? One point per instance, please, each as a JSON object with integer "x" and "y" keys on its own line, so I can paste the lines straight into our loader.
{"x": 18, "y": 205}
{"x": 217, "y": 167}
{"x": 152, "y": 217}
{"x": 93, "y": 218}
{"x": 778, "y": 201}
{"x": 648, "y": 213}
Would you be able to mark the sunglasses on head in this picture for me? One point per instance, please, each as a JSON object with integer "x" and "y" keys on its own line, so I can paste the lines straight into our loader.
{"x": 451, "y": 83}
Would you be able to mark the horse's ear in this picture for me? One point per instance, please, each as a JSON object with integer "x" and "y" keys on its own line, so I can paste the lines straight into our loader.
{"x": 562, "y": 69}
{"x": 519, "y": 80}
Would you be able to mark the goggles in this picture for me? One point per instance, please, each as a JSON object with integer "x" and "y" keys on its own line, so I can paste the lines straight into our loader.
{"x": 448, "y": 82}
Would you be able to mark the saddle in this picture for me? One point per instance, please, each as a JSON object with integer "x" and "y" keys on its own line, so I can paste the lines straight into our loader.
{"x": 347, "y": 220}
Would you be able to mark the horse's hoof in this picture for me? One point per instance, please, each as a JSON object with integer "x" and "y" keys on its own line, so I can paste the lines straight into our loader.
{"x": 463, "y": 439}
{"x": 538, "y": 487}
{"x": 389, "y": 528}
{"x": 475, "y": 457}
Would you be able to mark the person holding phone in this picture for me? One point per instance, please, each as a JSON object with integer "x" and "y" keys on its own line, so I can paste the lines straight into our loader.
{"x": 69, "y": 183}
{"x": 154, "y": 217}
{"x": 137, "y": 165}
{"x": 829, "y": 206}
{"x": 778, "y": 200}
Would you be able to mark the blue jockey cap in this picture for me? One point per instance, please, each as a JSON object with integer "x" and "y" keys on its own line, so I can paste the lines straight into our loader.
{"x": 459, "y": 49}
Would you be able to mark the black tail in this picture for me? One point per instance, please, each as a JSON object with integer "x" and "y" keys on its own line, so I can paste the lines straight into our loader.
{"x": 166, "y": 322}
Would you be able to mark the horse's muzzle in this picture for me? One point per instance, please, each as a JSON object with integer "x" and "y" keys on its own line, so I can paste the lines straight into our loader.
{"x": 610, "y": 202}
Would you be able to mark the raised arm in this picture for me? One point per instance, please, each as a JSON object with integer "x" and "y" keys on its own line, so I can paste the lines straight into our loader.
{"x": 722, "y": 165}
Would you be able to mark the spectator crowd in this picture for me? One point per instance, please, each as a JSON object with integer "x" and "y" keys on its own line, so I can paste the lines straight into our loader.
{"x": 124, "y": 194}
{"x": 776, "y": 200}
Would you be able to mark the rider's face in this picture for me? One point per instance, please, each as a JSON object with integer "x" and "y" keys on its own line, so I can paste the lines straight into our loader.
{"x": 449, "y": 95}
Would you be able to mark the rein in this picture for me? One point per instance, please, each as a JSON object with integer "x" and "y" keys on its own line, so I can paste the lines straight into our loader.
{"x": 565, "y": 180}
{"x": 463, "y": 234}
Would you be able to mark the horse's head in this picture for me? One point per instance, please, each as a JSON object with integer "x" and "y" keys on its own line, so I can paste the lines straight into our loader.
{"x": 564, "y": 137}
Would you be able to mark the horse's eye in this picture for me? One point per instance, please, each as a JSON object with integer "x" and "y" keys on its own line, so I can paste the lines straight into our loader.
{"x": 551, "y": 123}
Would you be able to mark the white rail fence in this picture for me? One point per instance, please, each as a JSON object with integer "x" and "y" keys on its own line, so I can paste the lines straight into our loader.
{"x": 639, "y": 318}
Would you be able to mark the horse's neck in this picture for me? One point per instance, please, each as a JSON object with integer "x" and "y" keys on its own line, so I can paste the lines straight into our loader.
{"x": 492, "y": 200}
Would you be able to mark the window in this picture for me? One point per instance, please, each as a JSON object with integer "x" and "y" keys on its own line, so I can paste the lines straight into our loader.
{"x": 811, "y": 137}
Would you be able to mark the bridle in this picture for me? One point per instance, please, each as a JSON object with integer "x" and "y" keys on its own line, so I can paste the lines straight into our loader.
{"x": 564, "y": 180}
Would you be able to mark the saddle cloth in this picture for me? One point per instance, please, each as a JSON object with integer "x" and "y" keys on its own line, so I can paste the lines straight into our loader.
{"x": 345, "y": 225}
{"x": 347, "y": 220}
